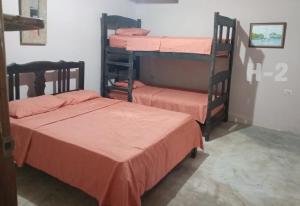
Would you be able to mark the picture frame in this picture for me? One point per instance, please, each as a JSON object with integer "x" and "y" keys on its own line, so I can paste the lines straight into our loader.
{"x": 34, "y": 9}
{"x": 267, "y": 35}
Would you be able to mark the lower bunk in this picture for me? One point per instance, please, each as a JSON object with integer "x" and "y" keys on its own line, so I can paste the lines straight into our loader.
{"x": 194, "y": 103}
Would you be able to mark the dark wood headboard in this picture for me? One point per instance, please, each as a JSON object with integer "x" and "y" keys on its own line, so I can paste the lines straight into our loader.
{"x": 114, "y": 22}
{"x": 40, "y": 68}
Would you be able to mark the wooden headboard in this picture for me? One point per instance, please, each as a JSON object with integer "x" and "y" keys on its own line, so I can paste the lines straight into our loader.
{"x": 114, "y": 22}
{"x": 62, "y": 68}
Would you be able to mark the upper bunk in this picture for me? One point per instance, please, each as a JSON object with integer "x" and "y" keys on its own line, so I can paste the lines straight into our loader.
{"x": 221, "y": 44}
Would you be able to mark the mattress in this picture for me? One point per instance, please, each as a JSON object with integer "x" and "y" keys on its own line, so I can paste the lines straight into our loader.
{"x": 162, "y": 44}
{"x": 190, "y": 102}
{"x": 104, "y": 147}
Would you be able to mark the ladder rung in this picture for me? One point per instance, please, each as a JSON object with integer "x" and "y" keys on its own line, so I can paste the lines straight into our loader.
{"x": 114, "y": 75}
{"x": 123, "y": 64}
{"x": 117, "y": 56}
{"x": 117, "y": 50}
{"x": 118, "y": 88}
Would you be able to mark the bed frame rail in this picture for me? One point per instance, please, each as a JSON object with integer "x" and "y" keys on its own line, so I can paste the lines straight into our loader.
{"x": 40, "y": 68}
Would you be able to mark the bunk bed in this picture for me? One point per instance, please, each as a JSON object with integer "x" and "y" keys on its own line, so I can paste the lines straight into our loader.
{"x": 121, "y": 62}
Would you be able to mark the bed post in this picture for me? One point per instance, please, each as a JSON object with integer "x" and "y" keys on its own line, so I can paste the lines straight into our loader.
{"x": 207, "y": 126}
{"x": 130, "y": 76}
{"x": 137, "y": 61}
{"x": 230, "y": 70}
{"x": 103, "y": 46}
{"x": 81, "y": 75}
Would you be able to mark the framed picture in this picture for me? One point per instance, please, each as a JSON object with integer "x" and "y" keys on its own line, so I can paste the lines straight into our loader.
{"x": 267, "y": 35}
{"x": 34, "y": 9}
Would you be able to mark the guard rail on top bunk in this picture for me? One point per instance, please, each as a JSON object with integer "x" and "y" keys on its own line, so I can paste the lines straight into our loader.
{"x": 219, "y": 83}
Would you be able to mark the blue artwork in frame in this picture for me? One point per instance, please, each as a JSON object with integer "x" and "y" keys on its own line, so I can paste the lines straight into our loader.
{"x": 267, "y": 35}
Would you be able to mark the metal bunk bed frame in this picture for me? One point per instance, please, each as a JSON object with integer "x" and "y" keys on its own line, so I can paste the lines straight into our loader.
{"x": 119, "y": 59}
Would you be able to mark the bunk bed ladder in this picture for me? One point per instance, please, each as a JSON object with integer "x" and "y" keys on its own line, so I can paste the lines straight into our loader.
{"x": 118, "y": 66}
{"x": 220, "y": 96}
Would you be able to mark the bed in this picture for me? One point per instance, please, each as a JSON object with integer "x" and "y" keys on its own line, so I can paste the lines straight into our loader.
{"x": 87, "y": 142}
{"x": 121, "y": 62}
{"x": 194, "y": 103}
{"x": 162, "y": 44}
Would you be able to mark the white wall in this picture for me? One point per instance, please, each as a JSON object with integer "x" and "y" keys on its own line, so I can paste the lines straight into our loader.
{"x": 73, "y": 34}
{"x": 265, "y": 103}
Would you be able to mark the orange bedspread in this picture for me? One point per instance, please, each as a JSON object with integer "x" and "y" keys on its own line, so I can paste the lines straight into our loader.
{"x": 163, "y": 44}
{"x": 112, "y": 150}
{"x": 193, "y": 103}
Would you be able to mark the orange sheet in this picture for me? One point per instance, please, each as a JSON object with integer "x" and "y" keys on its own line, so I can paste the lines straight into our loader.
{"x": 163, "y": 44}
{"x": 186, "y": 45}
{"x": 135, "y": 43}
{"x": 105, "y": 147}
{"x": 190, "y": 102}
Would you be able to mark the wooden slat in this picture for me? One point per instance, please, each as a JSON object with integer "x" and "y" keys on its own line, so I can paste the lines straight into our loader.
{"x": 116, "y": 50}
{"x": 64, "y": 80}
{"x": 116, "y": 56}
{"x": 118, "y": 88}
{"x": 59, "y": 80}
{"x": 11, "y": 86}
{"x": 221, "y": 34}
{"x": 223, "y": 88}
{"x": 122, "y": 64}
{"x": 68, "y": 79}
{"x": 119, "y": 75}
{"x": 227, "y": 35}
{"x": 19, "y": 23}
{"x": 81, "y": 75}
{"x": 17, "y": 86}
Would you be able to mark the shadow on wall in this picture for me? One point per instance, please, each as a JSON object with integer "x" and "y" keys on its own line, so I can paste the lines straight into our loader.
{"x": 28, "y": 88}
{"x": 243, "y": 92}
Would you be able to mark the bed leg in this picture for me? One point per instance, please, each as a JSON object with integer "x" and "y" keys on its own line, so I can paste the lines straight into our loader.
{"x": 226, "y": 117}
{"x": 194, "y": 153}
{"x": 207, "y": 132}
{"x": 207, "y": 138}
